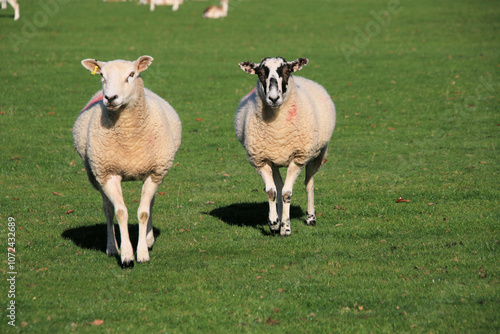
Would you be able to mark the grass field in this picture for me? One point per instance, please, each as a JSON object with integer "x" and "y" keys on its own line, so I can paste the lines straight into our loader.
{"x": 417, "y": 93}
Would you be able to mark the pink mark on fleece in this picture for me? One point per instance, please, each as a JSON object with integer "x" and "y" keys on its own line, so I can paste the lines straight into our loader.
{"x": 292, "y": 113}
{"x": 96, "y": 98}
{"x": 250, "y": 92}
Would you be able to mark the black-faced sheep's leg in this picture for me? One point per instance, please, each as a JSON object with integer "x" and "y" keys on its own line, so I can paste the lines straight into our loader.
{"x": 111, "y": 249}
{"x": 113, "y": 190}
{"x": 292, "y": 173}
{"x": 278, "y": 181}
{"x": 267, "y": 175}
{"x": 149, "y": 189}
{"x": 311, "y": 169}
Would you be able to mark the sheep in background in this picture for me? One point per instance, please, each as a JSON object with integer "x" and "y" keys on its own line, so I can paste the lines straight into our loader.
{"x": 126, "y": 133}
{"x": 285, "y": 121}
{"x": 215, "y": 12}
{"x": 174, "y": 3}
{"x": 14, "y": 5}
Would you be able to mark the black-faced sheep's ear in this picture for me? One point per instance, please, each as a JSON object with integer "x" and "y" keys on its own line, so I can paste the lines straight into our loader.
{"x": 248, "y": 66}
{"x": 142, "y": 63}
{"x": 297, "y": 64}
{"x": 93, "y": 65}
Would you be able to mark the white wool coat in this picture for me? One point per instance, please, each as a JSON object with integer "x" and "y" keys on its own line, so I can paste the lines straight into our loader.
{"x": 138, "y": 142}
{"x": 298, "y": 130}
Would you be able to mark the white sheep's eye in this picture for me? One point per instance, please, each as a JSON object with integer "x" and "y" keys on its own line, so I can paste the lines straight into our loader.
{"x": 131, "y": 75}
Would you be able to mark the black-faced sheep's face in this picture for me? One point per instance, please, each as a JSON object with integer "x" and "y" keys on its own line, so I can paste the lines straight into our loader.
{"x": 119, "y": 79}
{"x": 274, "y": 75}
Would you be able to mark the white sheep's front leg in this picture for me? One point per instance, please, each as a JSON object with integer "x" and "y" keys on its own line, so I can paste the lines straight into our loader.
{"x": 113, "y": 190}
{"x": 273, "y": 220}
{"x": 292, "y": 173}
{"x": 146, "y": 237}
{"x": 111, "y": 248}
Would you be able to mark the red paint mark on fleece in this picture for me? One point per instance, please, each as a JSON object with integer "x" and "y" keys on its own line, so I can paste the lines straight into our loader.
{"x": 96, "y": 98}
{"x": 292, "y": 113}
{"x": 250, "y": 92}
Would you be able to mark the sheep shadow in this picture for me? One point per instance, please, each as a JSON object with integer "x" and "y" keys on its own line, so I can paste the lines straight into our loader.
{"x": 250, "y": 215}
{"x": 94, "y": 237}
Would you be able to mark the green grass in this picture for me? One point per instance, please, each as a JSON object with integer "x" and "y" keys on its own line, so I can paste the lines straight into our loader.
{"x": 418, "y": 117}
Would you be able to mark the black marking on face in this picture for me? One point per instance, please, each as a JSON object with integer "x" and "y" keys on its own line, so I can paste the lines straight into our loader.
{"x": 284, "y": 73}
{"x": 263, "y": 73}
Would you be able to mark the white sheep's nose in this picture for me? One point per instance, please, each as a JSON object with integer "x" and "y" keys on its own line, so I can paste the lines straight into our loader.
{"x": 110, "y": 99}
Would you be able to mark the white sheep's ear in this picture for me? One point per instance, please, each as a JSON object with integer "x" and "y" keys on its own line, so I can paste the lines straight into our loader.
{"x": 93, "y": 65}
{"x": 248, "y": 66}
{"x": 142, "y": 63}
{"x": 297, "y": 64}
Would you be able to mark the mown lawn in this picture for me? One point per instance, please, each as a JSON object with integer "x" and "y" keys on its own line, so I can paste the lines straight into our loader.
{"x": 416, "y": 85}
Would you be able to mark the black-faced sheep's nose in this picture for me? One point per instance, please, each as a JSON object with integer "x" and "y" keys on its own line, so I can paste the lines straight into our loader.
{"x": 110, "y": 98}
{"x": 274, "y": 99}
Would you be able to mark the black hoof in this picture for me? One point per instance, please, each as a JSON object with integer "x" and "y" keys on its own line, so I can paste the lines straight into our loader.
{"x": 274, "y": 226}
{"x": 311, "y": 219}
{"x": 129, "y": 264}
{"x": 311, "y": 223}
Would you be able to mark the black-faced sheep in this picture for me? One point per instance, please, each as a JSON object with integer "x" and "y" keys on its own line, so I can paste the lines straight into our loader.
{"x": 125, "y": 133}
{"x": 286, "y": 121}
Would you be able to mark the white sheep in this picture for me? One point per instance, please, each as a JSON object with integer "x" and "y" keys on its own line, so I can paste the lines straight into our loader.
{"x": 14, "y": 5}
{"x": 126, "y": 133}
{"x": 286, "y": 121}
{"x": 174, "y": 3}
{"x": 216, "y": 12}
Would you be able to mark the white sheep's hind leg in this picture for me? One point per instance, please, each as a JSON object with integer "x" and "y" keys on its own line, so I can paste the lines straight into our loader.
{"x": 113, "y": 190}
{"x": 4, "y": 4}
{"x": 149, "y": 189}
{"x": 111, "y": 249}
{"x": 273, "y": 220}
{"x": 292, "y": 173}
{"x": 150, "y": 238}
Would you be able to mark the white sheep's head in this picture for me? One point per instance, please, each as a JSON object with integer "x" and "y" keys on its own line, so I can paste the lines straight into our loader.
{"x": 119, "y": 79}
{"x": 274, "y": 75}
